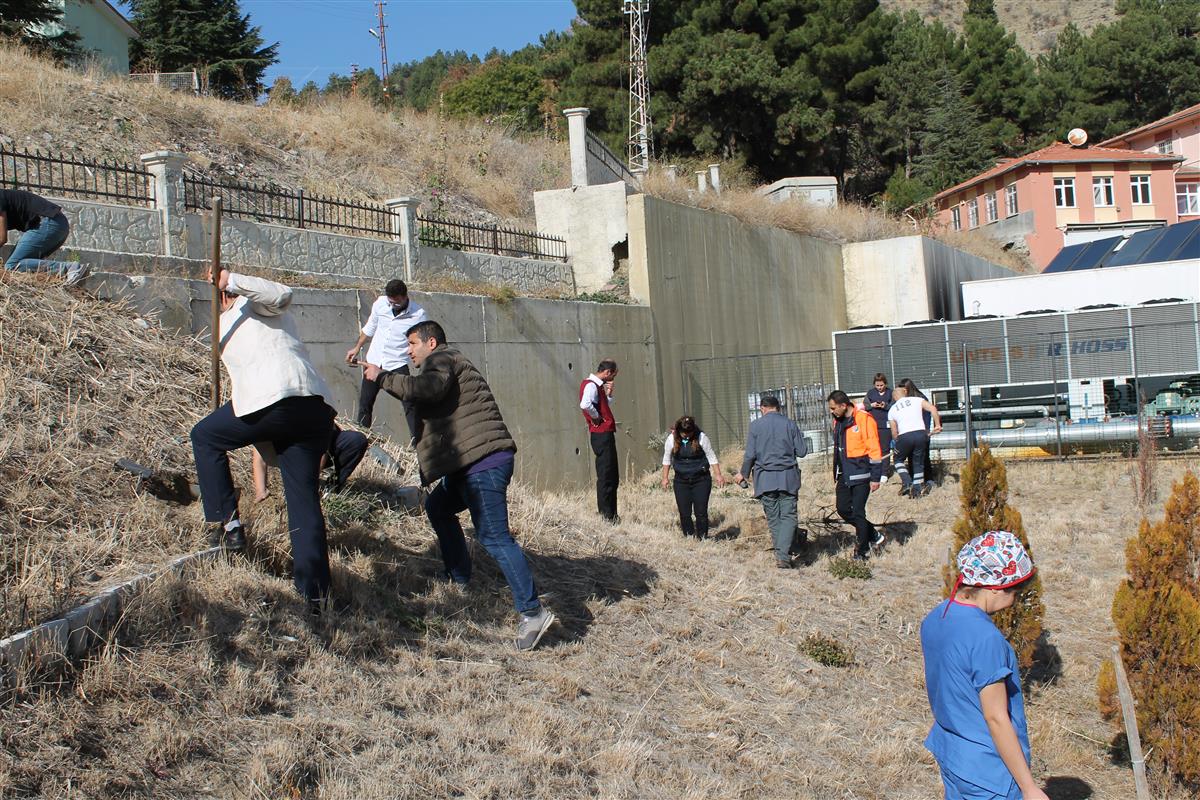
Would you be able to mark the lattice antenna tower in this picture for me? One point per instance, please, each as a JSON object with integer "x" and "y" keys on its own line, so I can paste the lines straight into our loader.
{"x": 380, "y": 33}
{"x": 639, "y": 145}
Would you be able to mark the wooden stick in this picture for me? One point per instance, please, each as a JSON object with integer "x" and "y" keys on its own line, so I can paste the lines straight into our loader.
{"x": 215, "y": 266}
{"x": 1131, "y": 729}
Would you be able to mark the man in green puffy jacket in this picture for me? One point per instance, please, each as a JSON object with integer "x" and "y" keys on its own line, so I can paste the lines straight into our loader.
{"x": 463, "y": 444}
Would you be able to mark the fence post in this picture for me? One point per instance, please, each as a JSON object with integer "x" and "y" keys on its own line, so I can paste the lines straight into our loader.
{"x": 404, "y": 228}
{"x": 166, "y": 170}
{"x": 299, "y": 208}
{"x": 577, "y": 144}
{"x": 1054, "y": 378}
{"x": 495, "y": 240}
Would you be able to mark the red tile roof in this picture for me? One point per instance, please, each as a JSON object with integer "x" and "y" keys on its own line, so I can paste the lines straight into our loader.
{"x": 1178, "y": 116}
{"x": 1060, "y": 153}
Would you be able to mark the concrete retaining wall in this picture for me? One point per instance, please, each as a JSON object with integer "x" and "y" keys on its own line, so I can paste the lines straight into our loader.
{"x": 534, "y": 354}
{"x": 592, "y": 220}
{"x": 141, "y": 231}
{"x": 719, "y": 287}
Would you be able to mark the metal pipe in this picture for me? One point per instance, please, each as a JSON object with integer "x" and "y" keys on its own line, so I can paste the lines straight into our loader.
{"x": 1045, "y": 436}
{"x": 1007, "y": 411}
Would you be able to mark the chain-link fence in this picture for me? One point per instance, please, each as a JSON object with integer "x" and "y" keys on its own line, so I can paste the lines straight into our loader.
{"x": 1058, "y": 382}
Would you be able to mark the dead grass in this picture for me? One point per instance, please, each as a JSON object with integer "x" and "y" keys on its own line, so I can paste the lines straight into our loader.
{"x": 845, "y": 223}
{"x": 340, "y": 147}
{"x": 678, "y": 671}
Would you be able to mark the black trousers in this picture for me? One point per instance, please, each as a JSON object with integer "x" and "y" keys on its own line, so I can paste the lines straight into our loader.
{"x": 852, "y": 507}
{"x": 299, "y": 428}
{"x": 347, "y": 449}
{"x": 369, "y": 390}
{"x": 608, "y": 473}
{"x": 691, "y": 497}
{"x": 911, "y": 448}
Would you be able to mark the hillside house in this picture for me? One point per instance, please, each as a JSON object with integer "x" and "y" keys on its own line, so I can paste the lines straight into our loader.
{"x": 104, "y": 33}
{"x": 1062, "y": 195}
{"x": 1177, "y": 134}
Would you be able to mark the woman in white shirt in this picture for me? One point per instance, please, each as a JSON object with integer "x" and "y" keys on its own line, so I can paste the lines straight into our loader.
{"x": 689, "y": 451}
{"x": 278, "y": 404}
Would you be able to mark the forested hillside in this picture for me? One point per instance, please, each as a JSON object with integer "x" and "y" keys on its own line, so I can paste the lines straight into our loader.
{"x": 896, "y": 105}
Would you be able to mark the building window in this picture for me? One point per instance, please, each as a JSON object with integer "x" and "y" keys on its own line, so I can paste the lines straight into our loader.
{"x": 1141, "y": 189}
{"x": 989, "y": 201}
{"x": 1064, "y": 192}
{"x": 1187, "y": 197}
{"x": 1166, "y": 147}
{"x": 1102, "y": 191}
{"x": 955, "y": 219}
{"x": 1010, "y": 199}
{"x": 973, "y": 213}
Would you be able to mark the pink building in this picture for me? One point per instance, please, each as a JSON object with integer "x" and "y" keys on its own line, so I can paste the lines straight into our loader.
{"x": 1178, "y": 134}
{"x": 1062, "y": 194}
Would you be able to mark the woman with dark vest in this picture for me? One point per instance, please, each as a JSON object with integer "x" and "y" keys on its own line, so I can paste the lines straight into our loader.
{"x": 689, "y": 451}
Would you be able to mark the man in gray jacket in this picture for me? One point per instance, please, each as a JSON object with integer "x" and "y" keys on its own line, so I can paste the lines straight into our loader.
{"x": 773, "y": 444}
{"x": 464, "y": 445}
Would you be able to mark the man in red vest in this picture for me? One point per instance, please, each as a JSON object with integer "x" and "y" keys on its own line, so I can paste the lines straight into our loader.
{"x": 594, "y": 394}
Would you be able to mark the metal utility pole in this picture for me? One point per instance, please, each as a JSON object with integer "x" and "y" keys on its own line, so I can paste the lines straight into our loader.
{"x": 639, "y": 86}
{"x": 353, "y": 78}
{"x": 380, "y": 33}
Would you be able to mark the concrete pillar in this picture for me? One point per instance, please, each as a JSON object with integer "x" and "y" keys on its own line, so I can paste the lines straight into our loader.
{"x": 672, "y": 171}
{"x": 166, "y": 167}
{"x": 404, "y": 228}
{"x": 577, "y": 140}
{"x": 701, "y": 181}
{"x": 714, "y": 177}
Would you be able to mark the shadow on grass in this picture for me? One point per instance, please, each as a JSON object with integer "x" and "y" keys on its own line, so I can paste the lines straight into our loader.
{"x": 1047, "y": 665}
{"x": 1068, "y": 788}
{"x": 829, "y": 535}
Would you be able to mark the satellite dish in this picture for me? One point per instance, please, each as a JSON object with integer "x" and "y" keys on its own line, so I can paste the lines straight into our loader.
{"x": 1077, "y": 137}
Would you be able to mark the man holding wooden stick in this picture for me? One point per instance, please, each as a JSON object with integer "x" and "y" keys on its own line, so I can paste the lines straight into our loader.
{"x": 278, "y": 405}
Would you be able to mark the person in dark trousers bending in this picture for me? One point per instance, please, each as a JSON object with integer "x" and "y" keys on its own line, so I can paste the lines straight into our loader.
{"x": 907, "y": 421}
{"x": 44, "y": 230}
{"x": 392, "y": 314}
{"x": 857, "y": 467}
{"x": 464, "y": 445}
{"x": 689, "y": 451}
{"x": 278, "y": 405}
{"x": 878, "y": 402}
{"x": 595, "y": 394}
{"x": 912, "y": 390}
{"x": 773, "y": 443}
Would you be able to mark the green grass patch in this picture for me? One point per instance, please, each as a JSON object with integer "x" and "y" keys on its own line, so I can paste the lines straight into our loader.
{"x": 842, "y": 568}
{"x": 826, "y": 650}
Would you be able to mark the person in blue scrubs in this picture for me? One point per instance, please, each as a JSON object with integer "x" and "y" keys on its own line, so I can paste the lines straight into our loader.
{"x": 979, "y": 735}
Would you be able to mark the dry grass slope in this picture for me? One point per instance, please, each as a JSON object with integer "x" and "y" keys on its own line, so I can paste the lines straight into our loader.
{"x": 345, "y": 148}
{"x": 679, "y": 670}
{"x": 1036, "y": 23}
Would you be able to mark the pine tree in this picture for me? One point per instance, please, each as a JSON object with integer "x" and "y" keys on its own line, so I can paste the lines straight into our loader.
{"x": 953, "y": 144}
{"x": 985, "y": 508}
{"x": 998, "y": 76}
{"x": 1157, "y": 616}
{"x": 211, "y": 36}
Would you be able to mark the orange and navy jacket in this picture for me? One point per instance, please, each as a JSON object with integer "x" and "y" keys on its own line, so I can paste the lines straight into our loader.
{"x": 856, "y": 449}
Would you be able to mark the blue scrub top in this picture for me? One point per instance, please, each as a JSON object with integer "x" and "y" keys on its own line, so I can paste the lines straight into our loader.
{"x": 964, "y": 652}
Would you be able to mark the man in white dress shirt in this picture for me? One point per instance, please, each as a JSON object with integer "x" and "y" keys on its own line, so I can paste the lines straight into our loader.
{"x": 392, "y": 314}
{"x": 278, "y": 404}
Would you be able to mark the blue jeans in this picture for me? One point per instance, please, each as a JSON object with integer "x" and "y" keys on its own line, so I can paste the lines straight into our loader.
{"x": 33, "y": 246}
{"x": 485, "y": 495}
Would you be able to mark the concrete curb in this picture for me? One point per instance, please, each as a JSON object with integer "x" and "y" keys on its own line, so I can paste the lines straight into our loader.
{"x": 81, "y": 628}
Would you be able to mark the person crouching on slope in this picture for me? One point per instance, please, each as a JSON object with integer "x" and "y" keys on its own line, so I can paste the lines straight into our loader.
{"x": 979, "y": 736}
{"x": 279, "y": 404}
{"x": 463, "y": 444}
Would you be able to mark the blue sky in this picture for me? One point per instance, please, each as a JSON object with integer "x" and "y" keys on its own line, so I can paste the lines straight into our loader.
{"x": 317, "y": 37}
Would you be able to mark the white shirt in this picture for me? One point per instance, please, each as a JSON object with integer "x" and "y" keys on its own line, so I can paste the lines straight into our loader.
{"x": 260, "y": 348}
{"x": 907, "y": 415}
{"x": 590, "y": 402}
{"x": 388, "y": 332}
{"x": 705, "y": 445}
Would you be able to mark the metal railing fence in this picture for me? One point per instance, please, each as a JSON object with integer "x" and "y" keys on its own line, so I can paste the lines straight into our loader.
{"x": 287, "y": 207}
{"x": 436, "y": 231}
{"x": 67, "y": 176}
{"x": 609, "y": 161}
{"x": 1056, "y": 378}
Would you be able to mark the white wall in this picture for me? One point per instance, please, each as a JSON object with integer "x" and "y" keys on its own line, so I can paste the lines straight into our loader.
{"x": 1067, "y": 291}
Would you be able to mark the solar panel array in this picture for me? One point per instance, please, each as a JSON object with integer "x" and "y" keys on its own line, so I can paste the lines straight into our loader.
{"x": 1172, "y": 243}
{"x": 1146, "y": 340}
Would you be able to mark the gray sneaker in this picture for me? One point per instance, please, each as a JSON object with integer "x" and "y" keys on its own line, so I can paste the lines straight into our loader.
{"x": 531, "y": 628}
{"x": 76, "y": 274}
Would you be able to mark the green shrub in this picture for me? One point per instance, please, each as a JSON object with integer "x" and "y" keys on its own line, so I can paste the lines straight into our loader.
{"x": 841, "y": 568}
{"x": 826, "y": 650}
